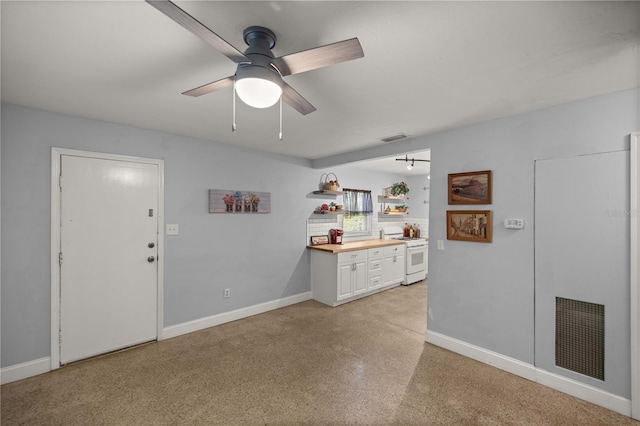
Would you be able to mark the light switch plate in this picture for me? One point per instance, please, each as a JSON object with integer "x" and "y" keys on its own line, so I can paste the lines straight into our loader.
{"x": 172, "y": 229}
{"x": 440, "y": 245}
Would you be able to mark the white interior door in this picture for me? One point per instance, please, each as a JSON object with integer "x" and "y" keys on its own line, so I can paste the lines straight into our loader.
{"x": 109, "y": 248}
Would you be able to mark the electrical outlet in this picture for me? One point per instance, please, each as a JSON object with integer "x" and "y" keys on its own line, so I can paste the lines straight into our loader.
{"x": 172, "y": 229}
{"x": 227, "y": 293}
{"x": 440, "y": 245}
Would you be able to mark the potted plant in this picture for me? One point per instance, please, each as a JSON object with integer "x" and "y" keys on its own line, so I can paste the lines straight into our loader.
{"x": 401, "y": 208}
{"x": 399, "y": 188}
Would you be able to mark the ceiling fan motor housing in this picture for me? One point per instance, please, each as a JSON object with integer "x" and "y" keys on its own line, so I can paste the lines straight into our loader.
{"x": 261, "y": 81}
{"x": 260, "y": 40}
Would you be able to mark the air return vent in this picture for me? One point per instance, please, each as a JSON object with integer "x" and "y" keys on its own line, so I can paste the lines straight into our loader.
{"x": 394, "y": 138}
{"x": 580, "y": 337}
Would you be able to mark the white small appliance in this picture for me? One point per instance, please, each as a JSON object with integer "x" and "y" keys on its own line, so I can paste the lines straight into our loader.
{"x": 416, "y": 250}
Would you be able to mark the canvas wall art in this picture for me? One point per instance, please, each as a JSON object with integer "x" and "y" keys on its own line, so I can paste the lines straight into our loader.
{"x": 239, "y": 202}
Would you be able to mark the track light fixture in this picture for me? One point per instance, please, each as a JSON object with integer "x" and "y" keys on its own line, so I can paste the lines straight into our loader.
{"x": 406, "y": 159}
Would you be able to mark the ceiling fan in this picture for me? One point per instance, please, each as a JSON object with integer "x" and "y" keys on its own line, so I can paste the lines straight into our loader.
{"x": 258, "y": 78}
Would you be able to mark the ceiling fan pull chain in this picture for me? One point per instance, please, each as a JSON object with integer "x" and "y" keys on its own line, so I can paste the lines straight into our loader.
{"x": 280, "y": 117}
{"x": 233, "y": 124}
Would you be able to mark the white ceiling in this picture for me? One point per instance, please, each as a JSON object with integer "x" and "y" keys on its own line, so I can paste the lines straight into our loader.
{"x": 428, "y": 66}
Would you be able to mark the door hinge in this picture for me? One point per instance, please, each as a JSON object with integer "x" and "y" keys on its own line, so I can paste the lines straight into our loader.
{"x": 60, "y": 181}
{"x": 60, "y": 258}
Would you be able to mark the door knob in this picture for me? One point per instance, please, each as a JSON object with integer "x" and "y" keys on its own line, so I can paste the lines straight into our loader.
{"x": 150, "y": 259}
{"x": 151, "y": 245}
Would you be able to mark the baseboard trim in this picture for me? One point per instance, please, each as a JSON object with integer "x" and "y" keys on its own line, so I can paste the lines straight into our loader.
{"x": 24, "y": 370}
{"x": 528, "y": 371}
{"x": 43, "y": 365}
{"x": 495, "y": 359}
{"x": 202, "y": 323}
{"x": 586, "y": 392}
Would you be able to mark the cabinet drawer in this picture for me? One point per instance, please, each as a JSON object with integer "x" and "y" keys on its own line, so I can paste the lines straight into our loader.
{"x": 352, "y": 256}
{"x": 375, "y": 266}
{"x": 375, "y": 282}
{"x": 375, "y": 253}
{"x": 394, "y": 250}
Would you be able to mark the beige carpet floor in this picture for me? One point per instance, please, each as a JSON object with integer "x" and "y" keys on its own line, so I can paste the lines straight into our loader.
{"x": 365, "y": 362}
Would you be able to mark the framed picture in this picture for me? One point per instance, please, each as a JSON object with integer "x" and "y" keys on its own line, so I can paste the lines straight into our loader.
{"x": 470, "y": 188}
{"x": 469, "y": 225}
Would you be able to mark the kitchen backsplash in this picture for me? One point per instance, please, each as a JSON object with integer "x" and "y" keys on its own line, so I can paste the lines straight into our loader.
{"x": 321, "y": 226}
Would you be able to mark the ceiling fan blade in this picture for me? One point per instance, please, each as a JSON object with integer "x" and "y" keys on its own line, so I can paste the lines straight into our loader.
{"x": 199, "y": 29}
{"x": 295, "y": 100}
{"x": 319, "y": 57}
{"x": 210, "y": 87}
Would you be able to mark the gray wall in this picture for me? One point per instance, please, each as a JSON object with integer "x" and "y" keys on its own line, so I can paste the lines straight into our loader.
{"x": 261, "y": 258}
{"x": 483, "y": 294}
{"x": 418, "y": 195}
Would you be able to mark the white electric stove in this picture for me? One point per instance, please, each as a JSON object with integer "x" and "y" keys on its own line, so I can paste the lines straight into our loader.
{"x": 415, "y": 253}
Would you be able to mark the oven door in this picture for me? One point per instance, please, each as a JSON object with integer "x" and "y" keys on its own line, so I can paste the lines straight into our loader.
{"x": 416, "y": 259}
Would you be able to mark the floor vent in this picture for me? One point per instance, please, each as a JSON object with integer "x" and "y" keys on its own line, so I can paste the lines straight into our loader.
{"x": 580, "y": 337}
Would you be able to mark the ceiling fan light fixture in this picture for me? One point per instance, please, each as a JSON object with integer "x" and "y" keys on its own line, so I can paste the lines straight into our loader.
{"x": 257, "y": 86}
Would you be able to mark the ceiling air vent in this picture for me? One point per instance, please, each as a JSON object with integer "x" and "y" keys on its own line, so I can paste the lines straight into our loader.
{"x": 394, "y": 138}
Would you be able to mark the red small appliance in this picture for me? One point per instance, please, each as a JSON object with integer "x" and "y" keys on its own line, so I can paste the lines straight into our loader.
{"x": 335, "y": 236}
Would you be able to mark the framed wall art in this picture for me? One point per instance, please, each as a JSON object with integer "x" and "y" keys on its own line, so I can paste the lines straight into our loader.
{"x": 239, "y": 202}
{"x": 469, "y": 225}
{"x": 470, "y": 187}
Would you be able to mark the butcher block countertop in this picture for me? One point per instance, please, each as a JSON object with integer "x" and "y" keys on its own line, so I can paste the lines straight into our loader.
{"x": 355, "y": 245}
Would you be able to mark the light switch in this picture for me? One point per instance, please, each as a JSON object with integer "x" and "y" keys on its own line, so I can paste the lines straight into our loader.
{"x": 172, "y": 229}
{"x": 440, "y": 245}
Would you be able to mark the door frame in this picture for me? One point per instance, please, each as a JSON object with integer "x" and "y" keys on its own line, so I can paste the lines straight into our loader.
{"x": 634, "y": 285}
{"x": 56, "y": 162}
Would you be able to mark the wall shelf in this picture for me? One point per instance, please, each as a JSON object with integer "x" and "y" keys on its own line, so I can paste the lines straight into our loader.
{"x": 325, "y": 212}
{"x": 392, "y": 213}
{"x": 392, "y": 199}
{"x": 327, "y": 192}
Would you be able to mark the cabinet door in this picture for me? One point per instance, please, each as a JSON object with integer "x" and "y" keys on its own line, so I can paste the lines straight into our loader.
{"x": 398, "y": 269}
{"x": 387, "y": 270}
{"x": 345, "y": 272}
{"x": 360, "y": 277}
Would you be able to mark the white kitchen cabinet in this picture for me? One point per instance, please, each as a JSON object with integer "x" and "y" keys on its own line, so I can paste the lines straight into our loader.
{"x": 393, "y": 265}
{"x": 338, "y": 278}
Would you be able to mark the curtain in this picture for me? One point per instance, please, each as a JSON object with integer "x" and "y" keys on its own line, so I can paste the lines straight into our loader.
{"x": 357, "y": 201}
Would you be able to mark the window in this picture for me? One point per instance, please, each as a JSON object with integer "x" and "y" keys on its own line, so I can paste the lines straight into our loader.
{"x": 360, "y": 207}
{"x": 356, "y": 224}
